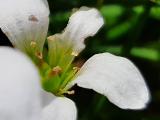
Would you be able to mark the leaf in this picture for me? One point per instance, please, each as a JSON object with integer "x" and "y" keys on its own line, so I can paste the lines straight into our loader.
{"x": 146, "y": 53}
{"x": 112, "y": 13}
{"x": 155, "y": 12}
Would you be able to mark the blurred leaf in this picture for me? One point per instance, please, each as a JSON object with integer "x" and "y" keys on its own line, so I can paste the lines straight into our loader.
{"x": 58, "y": 21}
{"x": 100, "y": 104}
{"x": 111, "y": 49}
{"x": 119, "y": 30}
{"x": 156, "y": 1}
{"x": 124, "y": 27}
{"x": 60, "y": 17}
{"x": 155, "y": 12}
{"x": 153, "y": 45}
{"x": 112, "y": 13}
{"x": 146, "y": 53}
{"x": 138, "y": 9}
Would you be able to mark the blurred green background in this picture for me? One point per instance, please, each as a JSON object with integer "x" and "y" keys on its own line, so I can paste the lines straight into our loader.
{"x": 132, "y": 29}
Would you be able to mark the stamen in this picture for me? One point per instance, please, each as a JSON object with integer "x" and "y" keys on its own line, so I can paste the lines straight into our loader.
{"x": 51, "y": 38}
{"x": 74, "y": 53}
{"x": 70, "y": 92}
{"x": 76, "y": 69}
{"x": 56, "y": 70}
{"x": 39, "y": 55}
{"x": 61, "y": 92}
{"x": 33, "y": 44}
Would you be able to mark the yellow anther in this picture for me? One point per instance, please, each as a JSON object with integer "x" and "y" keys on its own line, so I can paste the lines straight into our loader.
{"x": 70, "y": 92}
{"x": 56, "y": 70}
{"x": 51, "y": 37}
{"x": 33, "y": 44}
{"x": 61, "y": 92}
{"x": 74, "y": 53}
{"x": 39, "y": 55}
{"x": 54, "y": 37}
{"x": 76, "y": 68}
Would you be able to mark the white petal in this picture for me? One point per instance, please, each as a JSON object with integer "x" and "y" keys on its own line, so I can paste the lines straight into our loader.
{"x": 47, "y": 98}
{"x": 82, "y": 24}
{"x": 61, "y": 108}
{"x": 19, "y": 87}
{"x": 117, "y": 78}
{"x": 24, "y": 21}
{"x": 46, "y": 3}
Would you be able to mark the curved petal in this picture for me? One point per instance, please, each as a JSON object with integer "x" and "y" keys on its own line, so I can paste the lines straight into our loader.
{"x": 82, "y": 24}
{"x": 61, "y": 108}
{"x": 117, "y": 78}
{"x": 47, "y": 98}
{"x": 19, "y": 87}
{"x": 25, "y": 22}
{"x": 46, "y": 3}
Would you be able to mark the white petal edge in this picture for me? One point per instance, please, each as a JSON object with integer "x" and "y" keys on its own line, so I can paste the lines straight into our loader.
{"x": 46, "y": 97}
{"x": 82, "y": 24}
{"x": 61, "y": 108}
{"x": 24, "y": 21}
{"x": 19, "y": 87}
{"x": 117, "y": 78}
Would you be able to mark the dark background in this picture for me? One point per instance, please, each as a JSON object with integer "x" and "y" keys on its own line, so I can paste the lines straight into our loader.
{"x": 132, "y": 30}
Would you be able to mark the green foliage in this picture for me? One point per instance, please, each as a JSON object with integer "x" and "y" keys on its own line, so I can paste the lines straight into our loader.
{"x": 146, "y": 53}
{"x": 155, "y": 12}
{"x": 112, "y": 13}
{"x": 156, "y": 1}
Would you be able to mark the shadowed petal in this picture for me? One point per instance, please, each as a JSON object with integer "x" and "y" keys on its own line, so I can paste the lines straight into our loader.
{"x": 47, "y": 98}
{"x": 19, "y": 87}
{"x": 117, "y": 78}
{"x": 60, "y": 109}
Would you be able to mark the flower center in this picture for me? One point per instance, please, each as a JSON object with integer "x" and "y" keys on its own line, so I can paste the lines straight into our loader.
{"x": 56, "y": 66}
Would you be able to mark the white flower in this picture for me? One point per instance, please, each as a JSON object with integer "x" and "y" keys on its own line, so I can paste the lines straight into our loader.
{"x": 25, "y": 22}
{"x": 115, "y": 77}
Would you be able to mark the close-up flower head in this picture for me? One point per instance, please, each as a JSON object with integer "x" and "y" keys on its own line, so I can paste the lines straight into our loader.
{"x": 39, "y": 74}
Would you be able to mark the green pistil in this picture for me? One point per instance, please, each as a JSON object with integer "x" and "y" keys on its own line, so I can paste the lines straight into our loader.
{"x": 55, "y": 80}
